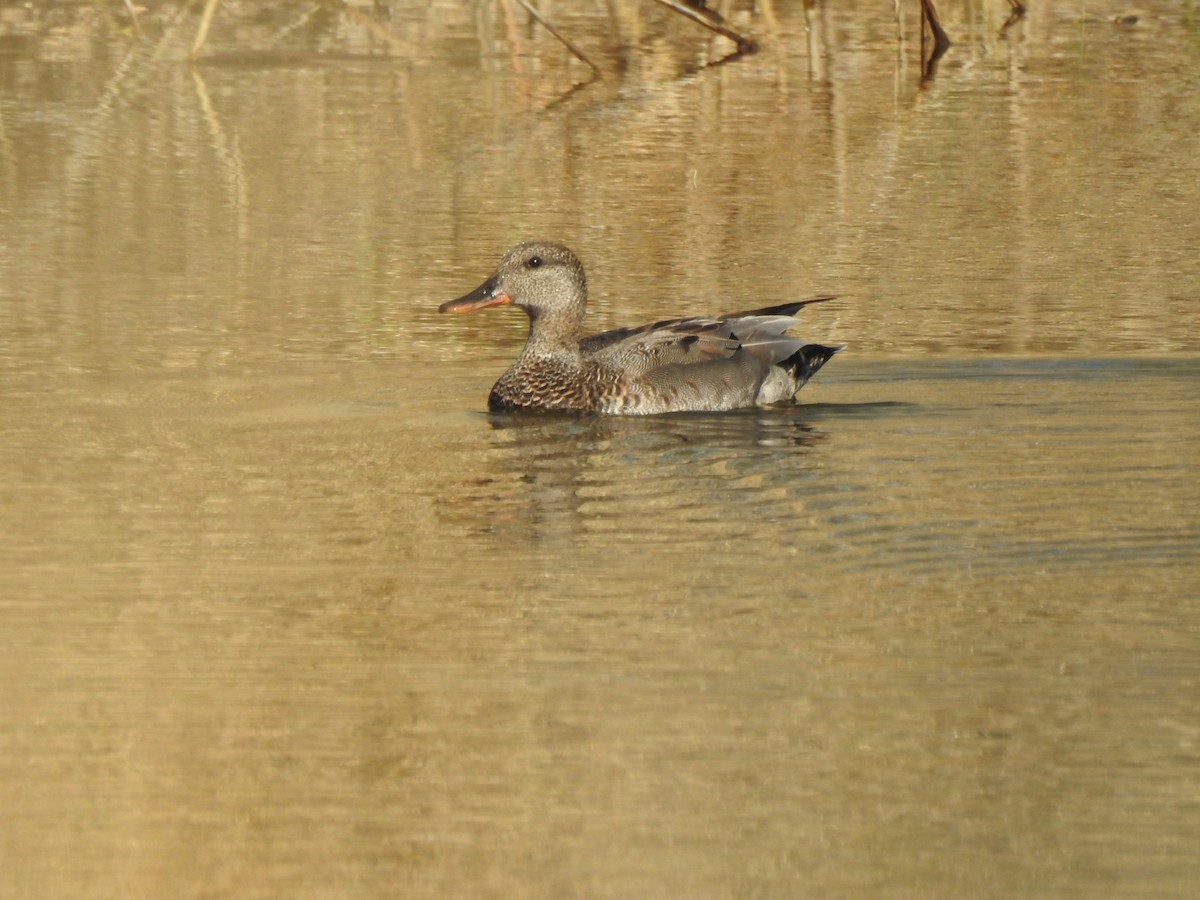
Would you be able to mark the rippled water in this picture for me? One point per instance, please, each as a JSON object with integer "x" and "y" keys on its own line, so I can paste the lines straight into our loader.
{"x": 284, "y": 612}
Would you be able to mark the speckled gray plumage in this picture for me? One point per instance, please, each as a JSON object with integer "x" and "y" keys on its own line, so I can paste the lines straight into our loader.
{"x": 697, "y": 364}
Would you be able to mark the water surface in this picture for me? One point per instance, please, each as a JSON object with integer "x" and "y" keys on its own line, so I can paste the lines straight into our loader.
{"x": 284, "y": 612}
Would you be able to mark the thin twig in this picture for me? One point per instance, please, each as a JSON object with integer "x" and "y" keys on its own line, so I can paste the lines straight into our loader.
{"x": 137, "y": 26}
{"x": 712, "y": 22}
{"x": 941, "y": 41}
{"x": 1015, "y": 16}
{"x": 372, "y": 24}
{"x": 210, "y": 9}
{"x": 929, "y": 14}
{"x": 545, "y": 23}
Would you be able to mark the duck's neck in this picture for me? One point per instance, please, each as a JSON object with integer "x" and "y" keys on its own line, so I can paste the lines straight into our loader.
{"x": 554, "y": 336}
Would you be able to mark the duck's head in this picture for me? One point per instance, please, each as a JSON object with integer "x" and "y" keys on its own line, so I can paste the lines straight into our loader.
{"x": 541, "y": 277}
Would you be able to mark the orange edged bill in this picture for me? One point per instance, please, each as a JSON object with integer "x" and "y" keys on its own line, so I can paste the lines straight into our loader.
{"x": 487, "y": 294}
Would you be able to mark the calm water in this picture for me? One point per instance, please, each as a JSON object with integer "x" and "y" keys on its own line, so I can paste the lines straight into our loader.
{"x": 283, "y": 612}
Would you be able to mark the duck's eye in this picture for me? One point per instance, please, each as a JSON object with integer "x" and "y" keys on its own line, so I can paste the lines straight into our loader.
{"x": 535, "y": 262}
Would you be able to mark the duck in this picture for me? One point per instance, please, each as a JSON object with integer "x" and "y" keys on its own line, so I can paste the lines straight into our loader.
{"x": 698, "y": 364}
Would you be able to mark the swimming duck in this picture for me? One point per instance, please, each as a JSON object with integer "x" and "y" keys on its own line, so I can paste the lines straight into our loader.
{"x": 698, "y": 364}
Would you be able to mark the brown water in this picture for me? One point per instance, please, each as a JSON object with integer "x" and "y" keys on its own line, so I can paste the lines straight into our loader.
{"x": 283, "y": 613}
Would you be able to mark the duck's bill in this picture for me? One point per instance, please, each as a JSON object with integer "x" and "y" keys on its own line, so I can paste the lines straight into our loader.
{"x": 487, "y": 294}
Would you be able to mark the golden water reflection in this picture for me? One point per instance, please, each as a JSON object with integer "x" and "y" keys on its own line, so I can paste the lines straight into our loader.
{"x": 283, "y": 612}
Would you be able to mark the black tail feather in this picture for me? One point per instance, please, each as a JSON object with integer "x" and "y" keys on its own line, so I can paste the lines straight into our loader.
{"x": 807, "y": 361}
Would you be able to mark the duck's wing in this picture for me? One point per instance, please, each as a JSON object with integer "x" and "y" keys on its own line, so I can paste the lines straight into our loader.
{"x": 783, "y": 309}
{"x": 759, "y": 333}
{"x": 682, "y": 341}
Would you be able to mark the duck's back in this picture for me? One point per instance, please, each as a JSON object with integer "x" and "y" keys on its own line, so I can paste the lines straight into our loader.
{"x": 703, "y": 364}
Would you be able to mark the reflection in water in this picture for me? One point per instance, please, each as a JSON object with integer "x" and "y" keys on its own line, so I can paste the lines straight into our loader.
{"x": 853, "y": 184}
{"x": 559, "y": 479}
{"x": 283, "y": 614}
